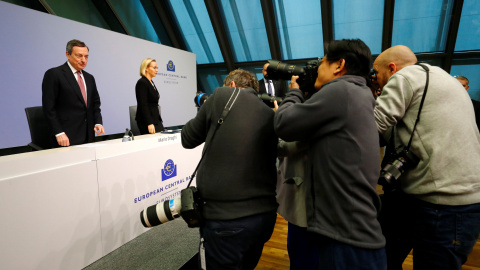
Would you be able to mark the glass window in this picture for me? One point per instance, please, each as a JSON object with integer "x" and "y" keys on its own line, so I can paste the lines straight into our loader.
{"x": 422, "y": 25}
{"x": 359, "y": 19}
{"x": 245, "y": 28}
{"x": 432, "y": 61}
{"x": 156, "y": 22}
{"x": 83, "y": 11}
{"x": 299, "y": 25}
{"x": 135, "y": 19}
{"x": 469, "y": 68}
{"x": 211, "y": 78}
{"x": 468, "y": 37}
{"x": 36, "y": 5}
{"x": 197, "y": 30}
{"x": 256, "y": 70}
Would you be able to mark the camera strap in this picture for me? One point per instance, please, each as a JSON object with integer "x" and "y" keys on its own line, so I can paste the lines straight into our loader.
{"x": 220, "y": 121}
{"x": 421, "y": 104}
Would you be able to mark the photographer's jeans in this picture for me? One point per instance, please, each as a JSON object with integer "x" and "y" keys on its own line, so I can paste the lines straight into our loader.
{"x": 302, "y": 249}
{"x": 441, "y": 236}
{"x": 336, "y": 255}
{"x": 238, "y": 243}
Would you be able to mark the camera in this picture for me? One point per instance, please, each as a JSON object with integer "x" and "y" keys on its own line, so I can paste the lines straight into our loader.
{"x": 373, "y": 84}
{"x": 269, "y": 99}
{"x": 307, "y": 75}
{"x": 396, "y": 165}
{"x": 188, "y": 206}
{"x": 200, "y": 98}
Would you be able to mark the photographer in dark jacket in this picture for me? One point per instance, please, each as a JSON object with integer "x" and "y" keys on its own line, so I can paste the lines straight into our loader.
{"x": 343, "y": 163}
{"x": 237, "y": 176}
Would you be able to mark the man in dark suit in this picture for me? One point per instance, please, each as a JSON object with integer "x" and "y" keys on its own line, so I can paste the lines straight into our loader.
{"x": 70, "y": 99}
{"x": 274, "y": 88}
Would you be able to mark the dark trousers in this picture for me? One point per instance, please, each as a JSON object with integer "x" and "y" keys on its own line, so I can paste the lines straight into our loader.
{"x": 335, "y": 255}
{"x": 441, "y": 236}
{"x": 238, "y": 243}
{"x": 302, "y": 250}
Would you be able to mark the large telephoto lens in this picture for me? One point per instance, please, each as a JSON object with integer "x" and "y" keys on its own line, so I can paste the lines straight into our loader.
{"x": 282, "y": 71}
{"x": 306, "y": 75}
{"x": 160, "y": 213}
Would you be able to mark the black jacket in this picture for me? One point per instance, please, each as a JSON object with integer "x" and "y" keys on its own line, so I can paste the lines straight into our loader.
{"x": 237, "y": 177}
{"x": 147, "y": 102}
{"x": 65, "y": 108}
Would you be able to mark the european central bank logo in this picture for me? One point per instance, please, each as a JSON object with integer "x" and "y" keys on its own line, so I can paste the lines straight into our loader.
{"x": 169, "y": 170}
{"x": 170, "y": 66}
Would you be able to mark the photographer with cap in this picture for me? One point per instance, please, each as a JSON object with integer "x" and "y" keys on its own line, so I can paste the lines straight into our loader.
{"x": 437, "y": 210}
{"x": 338, "y": 125}
{"x": 237, "y": 175}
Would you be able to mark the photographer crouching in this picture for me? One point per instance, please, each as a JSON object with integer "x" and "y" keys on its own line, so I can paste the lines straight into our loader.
{"x": 237, "y": 175}
{"x": 434, "y": 205}
{"x": 338, "y": 125}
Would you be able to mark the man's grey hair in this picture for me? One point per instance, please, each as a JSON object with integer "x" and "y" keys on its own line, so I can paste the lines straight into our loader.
{"x": 74, "y": 42}
{"x": 242, "y": 79}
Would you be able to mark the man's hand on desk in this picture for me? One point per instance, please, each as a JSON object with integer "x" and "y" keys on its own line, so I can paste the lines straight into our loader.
{"x": 99, "y": 129}
{"x": 63, "y": 140}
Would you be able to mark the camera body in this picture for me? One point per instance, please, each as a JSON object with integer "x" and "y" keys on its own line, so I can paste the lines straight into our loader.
{"x": 307, "y": 75}
{"x": 269, "y": 99}
{"x": 188, "y": 206}
{"x": 191, "y": 207}
{"x": 395, "y": 166}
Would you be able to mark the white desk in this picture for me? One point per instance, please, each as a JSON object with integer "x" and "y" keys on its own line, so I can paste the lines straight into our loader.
{"x": 66, "y": 208}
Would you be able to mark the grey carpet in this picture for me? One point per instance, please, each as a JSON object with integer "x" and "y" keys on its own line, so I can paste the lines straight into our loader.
{"x": 165, "y": 247}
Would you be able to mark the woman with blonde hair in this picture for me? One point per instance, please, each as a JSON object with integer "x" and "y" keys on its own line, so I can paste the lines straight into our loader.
{"x": 148, "y": 115}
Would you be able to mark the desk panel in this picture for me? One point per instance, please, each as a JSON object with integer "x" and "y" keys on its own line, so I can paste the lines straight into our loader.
{"x": 35, "y": 162}
{"x": 50, "y": 219}
{"x": 148, "y": 171}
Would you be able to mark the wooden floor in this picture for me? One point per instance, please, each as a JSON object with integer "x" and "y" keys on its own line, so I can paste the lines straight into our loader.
{"x": 275, "y": 255}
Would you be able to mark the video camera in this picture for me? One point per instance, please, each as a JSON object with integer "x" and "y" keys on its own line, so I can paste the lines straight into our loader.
{"x": 188, "y": 206}
{"x": 307, "y": 75}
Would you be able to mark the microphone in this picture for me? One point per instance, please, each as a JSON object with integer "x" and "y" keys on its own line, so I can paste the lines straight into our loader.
{"x": 128, "y": 136}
